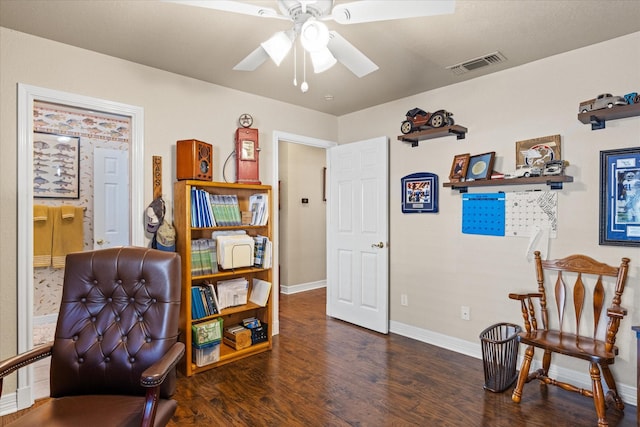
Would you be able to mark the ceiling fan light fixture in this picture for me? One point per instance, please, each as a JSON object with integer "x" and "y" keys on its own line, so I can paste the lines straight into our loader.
{"x": 278, "y": 46}
{"x": 322, "y": 60}
{"x": 314, "y": 35}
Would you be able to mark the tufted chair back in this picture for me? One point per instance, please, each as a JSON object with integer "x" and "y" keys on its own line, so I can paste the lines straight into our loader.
{"x": 119, "y": 314}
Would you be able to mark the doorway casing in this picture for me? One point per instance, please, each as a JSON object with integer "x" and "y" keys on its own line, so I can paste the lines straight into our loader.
{"x": 279, "y": 136}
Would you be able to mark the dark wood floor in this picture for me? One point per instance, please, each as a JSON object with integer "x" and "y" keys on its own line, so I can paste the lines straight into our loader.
{"x": 324, "y": 372}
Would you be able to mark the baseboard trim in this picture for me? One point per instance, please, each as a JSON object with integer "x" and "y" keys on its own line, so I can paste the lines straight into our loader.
{"x": 302, "y": 287}
{"x": 627, "y": 392}
{"x": 8, "y": 404}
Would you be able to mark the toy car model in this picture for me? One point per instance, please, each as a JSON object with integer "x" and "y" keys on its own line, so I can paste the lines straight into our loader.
{"x": 523, "y": 172}
{"x": 604, "y": 100}
{"x": 418, "y": 119}
{"x": 554, "y": 167}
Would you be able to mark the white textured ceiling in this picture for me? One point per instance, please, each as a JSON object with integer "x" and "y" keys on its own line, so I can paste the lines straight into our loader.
{"x": 412, "y": 53}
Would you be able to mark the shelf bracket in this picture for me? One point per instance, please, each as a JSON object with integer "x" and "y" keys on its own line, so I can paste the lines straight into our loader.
{"x": 596, "y": 123}
{"x": 555, "y": 185}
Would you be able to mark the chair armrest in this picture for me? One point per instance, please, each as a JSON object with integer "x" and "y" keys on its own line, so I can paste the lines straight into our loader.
{"x": 617, "y": 311}
{"x": 16, "y": 362}
{"x": 155, "y": 374}
{"x": 522, "y": 297}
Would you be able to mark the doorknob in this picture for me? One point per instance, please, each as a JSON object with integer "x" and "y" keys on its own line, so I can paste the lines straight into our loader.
{"x": 378, "y": 245}
{"x": 101, "y": 242}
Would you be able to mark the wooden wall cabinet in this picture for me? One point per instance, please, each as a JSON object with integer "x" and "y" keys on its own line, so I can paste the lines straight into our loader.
{"x": 232, "y": 315}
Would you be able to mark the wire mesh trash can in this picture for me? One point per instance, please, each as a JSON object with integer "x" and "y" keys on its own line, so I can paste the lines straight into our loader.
{"x": 500, "y": 355}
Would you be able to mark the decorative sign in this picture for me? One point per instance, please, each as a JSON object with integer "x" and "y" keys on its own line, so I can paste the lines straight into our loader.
{"x": 420, "y": 193}
{"x": 56, "y": 166}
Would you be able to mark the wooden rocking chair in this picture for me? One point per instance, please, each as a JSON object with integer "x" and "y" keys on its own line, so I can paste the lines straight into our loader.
{"x": 573, "y": 339}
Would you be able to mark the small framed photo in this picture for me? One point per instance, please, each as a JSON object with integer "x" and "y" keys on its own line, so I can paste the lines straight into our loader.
{"x": 56, "y": 166}
{"x": 480, "y": 166}
{"x": 620, "y": 197}
{"x": 538, "y": 151}
{"x": 459, "y": 167}
{"x": 420, "y": 193}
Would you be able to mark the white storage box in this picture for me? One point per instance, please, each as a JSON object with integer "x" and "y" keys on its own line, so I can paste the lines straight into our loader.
{"x": 206, "y": 353}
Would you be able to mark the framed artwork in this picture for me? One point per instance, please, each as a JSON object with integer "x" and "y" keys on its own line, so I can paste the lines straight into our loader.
{"x": 538, "y": 151}
{"x": 420, "y": 193}
{"x": 459, "y": 167}
{"x": 620, "y": 197}
{"x": 56, "y": 166}
{"x": 480, "y": 166}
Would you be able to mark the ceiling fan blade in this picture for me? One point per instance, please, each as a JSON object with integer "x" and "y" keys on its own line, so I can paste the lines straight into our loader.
{"x": 253, "y": 60}
{"x": 350, "y": 56}
{"x": 232, "y": 6}
{"x": 376, "y": 10}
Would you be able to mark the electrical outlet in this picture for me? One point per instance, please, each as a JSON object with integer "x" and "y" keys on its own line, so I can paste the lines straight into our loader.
{"x": 465, "y": 312}
{"x": 404, "y": 300}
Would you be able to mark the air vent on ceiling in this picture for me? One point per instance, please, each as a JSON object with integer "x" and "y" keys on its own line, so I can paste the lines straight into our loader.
{"x": 474, "y": 64}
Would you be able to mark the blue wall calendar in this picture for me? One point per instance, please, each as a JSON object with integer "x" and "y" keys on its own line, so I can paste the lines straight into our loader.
{"x": 483, "y": 213}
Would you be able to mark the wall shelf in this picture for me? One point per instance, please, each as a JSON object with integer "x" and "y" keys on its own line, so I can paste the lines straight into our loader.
{"x": 421, "y": 135}
{"x": 553, "y": 181}
{"x": 598, "y": 118}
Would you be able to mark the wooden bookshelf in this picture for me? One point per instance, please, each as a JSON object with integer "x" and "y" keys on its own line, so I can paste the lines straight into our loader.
{"x": 231, "y": 315}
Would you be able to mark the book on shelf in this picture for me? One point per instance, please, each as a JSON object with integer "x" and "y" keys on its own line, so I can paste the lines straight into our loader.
{"x": 260, "y": 292}
{"x": 197, "y": 308}
{"x": 259, "y": 207}
{"x": 262, "y": 251}
{"x": 203, "y": 301}
{"x": 204, "y": 259}
{"x": 213, "y": 210}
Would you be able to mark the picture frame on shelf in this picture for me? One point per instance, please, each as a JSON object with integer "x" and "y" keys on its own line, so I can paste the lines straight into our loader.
{"x": 620, "y": 197}
{"x": 538, "y": 151}
{"x": 480, "y": 166}
{"x": 56, "y": 166}
{"x": 459, "y": 167}
{"x": 420, "y": 193}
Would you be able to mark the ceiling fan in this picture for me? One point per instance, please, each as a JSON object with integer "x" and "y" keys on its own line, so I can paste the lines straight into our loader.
{"x": 324, "y": 47}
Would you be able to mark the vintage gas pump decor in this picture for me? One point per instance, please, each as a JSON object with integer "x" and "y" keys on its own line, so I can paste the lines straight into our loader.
{"x": 247, "y": 153}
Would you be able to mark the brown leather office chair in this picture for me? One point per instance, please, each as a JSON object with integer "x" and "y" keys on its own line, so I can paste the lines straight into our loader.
{"x": 115, "y": 349}
{"x": 566, "y": 331}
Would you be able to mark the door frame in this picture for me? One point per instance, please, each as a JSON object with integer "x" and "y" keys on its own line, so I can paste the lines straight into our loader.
{"x": 27, "y": 94}
{"x": 277, "y": 137}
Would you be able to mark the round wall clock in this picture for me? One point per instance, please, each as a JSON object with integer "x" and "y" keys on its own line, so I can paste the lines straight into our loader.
{"x": 245, "y": 120}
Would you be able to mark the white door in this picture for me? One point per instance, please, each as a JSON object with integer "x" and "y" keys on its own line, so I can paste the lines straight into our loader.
{"x": 111, "y": 198}
{"x": 357, "y": 234}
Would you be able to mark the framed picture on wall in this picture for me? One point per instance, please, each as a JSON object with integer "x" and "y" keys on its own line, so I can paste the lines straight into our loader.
{"x": 620, "y": 197}
{"x": 459, "y": 167}
{"x": 480, "y": 166}
{"x": 56, "y": 166}
{"x": 538, "y": 151}
{"x": 420, "y": 193}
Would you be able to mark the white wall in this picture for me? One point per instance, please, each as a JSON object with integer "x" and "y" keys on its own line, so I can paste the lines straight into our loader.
{"x": 442, "y": 269}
